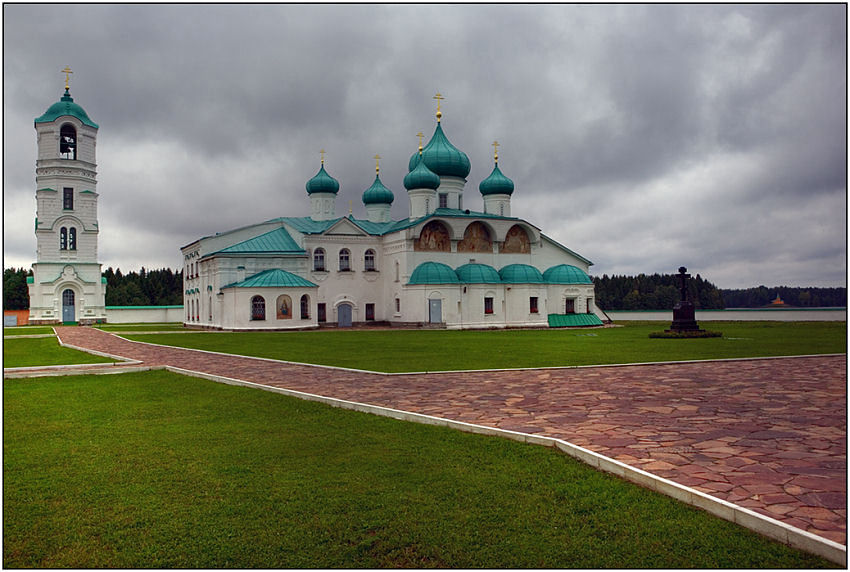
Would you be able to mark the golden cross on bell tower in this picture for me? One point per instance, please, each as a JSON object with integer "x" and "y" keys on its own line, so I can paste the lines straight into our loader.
{"x": 67, "y": 71}
{"x": 439, "y": 98}
{"x": 322, "y": 154}
{"x": 377, "y": 168}
{"x": 420, "y": 141}
{"x": 496, "y": 151}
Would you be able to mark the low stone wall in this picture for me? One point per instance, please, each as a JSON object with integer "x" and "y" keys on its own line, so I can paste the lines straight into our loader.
{"x": 143, "y": 314}
{"x": 739, "y": 315}
{"x": 21, "y": 317}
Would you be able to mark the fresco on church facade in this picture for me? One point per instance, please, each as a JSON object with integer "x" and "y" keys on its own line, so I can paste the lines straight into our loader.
{"x": 516, "y": 241}
{"x": 284, "y": 307}
{"x": 476, "y": 238}
{"x": 434, "y": 237}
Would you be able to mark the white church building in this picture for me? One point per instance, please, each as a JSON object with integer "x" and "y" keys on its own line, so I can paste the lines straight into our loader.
{"x": 67, "y": 284}
{"x": 442, "y": 265}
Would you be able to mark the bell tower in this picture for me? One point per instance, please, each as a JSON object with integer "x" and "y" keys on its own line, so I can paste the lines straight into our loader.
{"x": 67, "y": 284}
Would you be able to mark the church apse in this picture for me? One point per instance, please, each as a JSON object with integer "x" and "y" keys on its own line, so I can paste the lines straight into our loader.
{"x": 476, "y": 238}
{"x": 516, "y": 241}
{"x": 433, "y": 238}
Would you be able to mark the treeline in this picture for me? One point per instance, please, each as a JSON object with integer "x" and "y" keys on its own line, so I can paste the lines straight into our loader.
{"x": 162, "y": 287}
{"x": 16, "y": 296}
{"x": 792, "y": 296}
{"x": 653, "y": 292}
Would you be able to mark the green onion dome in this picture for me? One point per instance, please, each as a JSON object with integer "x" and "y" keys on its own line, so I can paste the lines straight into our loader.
{"x": 433, "y": 273}
{"x": 65, "y": 107}
{"x": 520, "y": 274}
{"x": 442, "y": 157}
{"x": 421, "y": 177}
{"x": 378, "y": 194}
{"x": 566, "y": 274}
{"x": 478, "y": 274}
{"x": 322, "y": 183}
{"x": 496, "y": 184}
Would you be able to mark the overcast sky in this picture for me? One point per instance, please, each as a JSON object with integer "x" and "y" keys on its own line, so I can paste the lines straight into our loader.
{"x": 642, "y": 137}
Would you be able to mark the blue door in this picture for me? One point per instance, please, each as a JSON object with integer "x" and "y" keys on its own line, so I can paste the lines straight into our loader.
{"x": 68, "y": 305}
{"x": 435, "y": 311}
{"x": 344, "y": 316}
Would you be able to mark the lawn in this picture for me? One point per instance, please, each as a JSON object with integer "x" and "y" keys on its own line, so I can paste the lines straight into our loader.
{"x": 27, "y": 330}
{"x": 435, "y": 350}
{"x": 23, "y": 352}
{"x": 157, "y": 470}
{"x": 145, "y": 327}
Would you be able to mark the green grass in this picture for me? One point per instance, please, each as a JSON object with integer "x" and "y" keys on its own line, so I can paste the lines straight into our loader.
{"x": 144, "y": 327}
{"x": 156, "y": 470}
{"x": 435, "y": 350}
{"x": 27, "y": 330}
{"x": 23, "y": 352}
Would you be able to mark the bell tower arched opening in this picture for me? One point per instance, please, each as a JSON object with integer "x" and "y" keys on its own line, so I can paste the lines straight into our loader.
{"x": 68, "y": 142}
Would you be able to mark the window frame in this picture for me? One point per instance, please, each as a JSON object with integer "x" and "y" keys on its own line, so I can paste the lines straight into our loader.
{"x": 533, "y": 305}
{"x": 319, "y": 260}
{"x": 67, "y": 198}
{"x": 63, "y": 238}
{"x": 488, "y": 304}
{"x": 370, "y": 312}
{"x": 344, "y": 260}
{"x": 72, "y": 238}
{"x": 443, "y": 200}
{"x": 305, "y": 307}
{"x": 369, "y": 260}
{"x": 321, "y": 312}
{"x": 258, "y": 308}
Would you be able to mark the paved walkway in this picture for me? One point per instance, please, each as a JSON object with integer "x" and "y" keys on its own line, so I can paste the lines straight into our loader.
{"x": 769, "y": 435}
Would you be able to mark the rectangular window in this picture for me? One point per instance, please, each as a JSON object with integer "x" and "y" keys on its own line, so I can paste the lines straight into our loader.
{"x": 322, "y": 316}
{"x": 444, "y": 200}
{"x": 589, "y": 305}
{"x": 570, "y": 306}
{"x": 488, "y": 305}
{"x": 532, "y": 304}
{"x": 397, "y": 306}
{"x": 370, "y": 312}
{"x": 68, "y": 199}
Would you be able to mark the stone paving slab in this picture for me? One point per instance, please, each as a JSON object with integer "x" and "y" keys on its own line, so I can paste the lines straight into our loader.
{"x": 769, "y": 435}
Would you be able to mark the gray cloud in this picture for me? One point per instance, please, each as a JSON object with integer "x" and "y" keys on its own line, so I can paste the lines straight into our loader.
{"x": 642, "y": 137}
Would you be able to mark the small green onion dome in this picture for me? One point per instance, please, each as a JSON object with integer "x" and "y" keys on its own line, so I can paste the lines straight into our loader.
{"x": 566, "y": 274}
{"x": 378, "y": 194}
{"x": 421, "y": 177}
{"x": 478, "y": 274}
{"x": 496, "y": 184}
{"x": 433, "y": 273}
{"x": 322, "y": 183}
{"x": 442, "y": 157}
{"x": 520, "y": 274}
{"x": 65, "y": 107}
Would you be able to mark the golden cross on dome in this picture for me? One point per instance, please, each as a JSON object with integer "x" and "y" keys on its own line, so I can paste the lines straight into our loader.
{"x": 439, "y": 98}
{"x": 322, "y": 153}
{"x": 420, "y": 141}
{"x": 496, "y": 151}
{"x": 350, "y": 208}
{"x": 377, "y": 168}
{"x": 67, "y": 71}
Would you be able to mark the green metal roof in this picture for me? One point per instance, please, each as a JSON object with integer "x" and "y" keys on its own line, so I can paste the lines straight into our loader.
{"x": 433, "y": 273}
{"x": 442, "y": 157}
{"x": 322, "y": 183}
{"x": 496, "y": 184}
{"x": 566, "y": 274}
{"x": 573, "y": 320}
{"x": 520, "y": 274}
{"x": 378, "y": 194}
{"x": 65, "y": 107}
{"x": 277, "y": 240}
{"x": 421, "y": 177}
{"x": 274, "y": 278}
{"x": 473, "y": 273}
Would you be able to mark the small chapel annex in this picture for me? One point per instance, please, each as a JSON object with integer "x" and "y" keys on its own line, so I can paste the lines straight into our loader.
{"x": 442, "y": 265}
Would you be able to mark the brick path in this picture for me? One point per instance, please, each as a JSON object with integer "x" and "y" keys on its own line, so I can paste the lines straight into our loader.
{"x": 769, "y": 435}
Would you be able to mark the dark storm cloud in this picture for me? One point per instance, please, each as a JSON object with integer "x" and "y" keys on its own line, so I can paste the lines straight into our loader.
{"x": 643, "y": 137}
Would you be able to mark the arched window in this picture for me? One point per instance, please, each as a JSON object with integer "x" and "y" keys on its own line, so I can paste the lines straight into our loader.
{"x": 258, "y": 308}
{"x": 63, "y": 238}
{"x": 72, "y": 239}
{"x": 210, "y": 316}
{"x": 305, "y": 307}
{"x": 344, "y": 259}
{"x": 369, "y": 260}
{"x": 319, "y": 259}
{"x": 68, "y": 142}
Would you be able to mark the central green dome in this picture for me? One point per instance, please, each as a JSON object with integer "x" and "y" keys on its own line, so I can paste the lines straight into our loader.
{"x": 378, "y": 194}
{"x": 442, "y": 157}
{"x": 66, "y": 107}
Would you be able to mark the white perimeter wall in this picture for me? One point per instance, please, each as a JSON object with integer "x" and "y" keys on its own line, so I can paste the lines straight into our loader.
{"x": 143, "y": 314}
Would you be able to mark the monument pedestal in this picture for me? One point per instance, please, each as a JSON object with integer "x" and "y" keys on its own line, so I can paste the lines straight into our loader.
{"x": 683, "y": 318}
